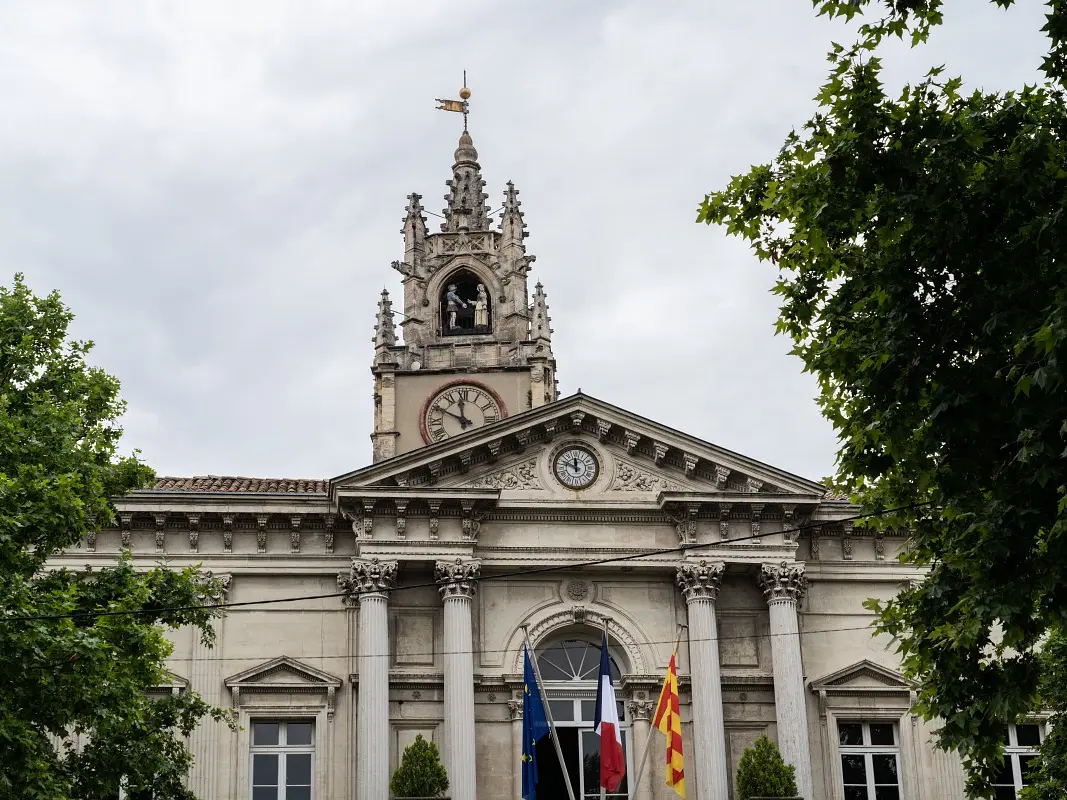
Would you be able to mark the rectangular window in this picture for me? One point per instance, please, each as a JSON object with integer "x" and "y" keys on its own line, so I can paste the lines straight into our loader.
{"x": 1020, "y": 750}
{"x": 870, "y": 760}
{"x": 282, "y": 760}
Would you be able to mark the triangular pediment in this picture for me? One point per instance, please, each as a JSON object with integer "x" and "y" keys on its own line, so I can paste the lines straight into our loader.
{"x": 283, "y": 672}
{"x": 639, "y": 457}
{"x": 863, "y": 675}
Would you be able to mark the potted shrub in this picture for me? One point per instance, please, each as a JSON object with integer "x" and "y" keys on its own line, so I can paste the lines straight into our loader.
{"x": 421, "y": 773}
{"x": 763, "y": 773}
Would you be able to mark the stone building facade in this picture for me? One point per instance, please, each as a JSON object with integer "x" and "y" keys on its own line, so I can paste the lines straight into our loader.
{"x": 393, "y": 600}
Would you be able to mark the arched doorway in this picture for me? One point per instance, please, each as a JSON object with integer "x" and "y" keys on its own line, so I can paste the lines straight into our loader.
{"x": 569, "y": 668}
{"x": 465, "y": 305}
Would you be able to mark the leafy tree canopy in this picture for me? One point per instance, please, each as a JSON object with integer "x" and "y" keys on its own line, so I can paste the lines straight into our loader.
{"x": 75, "y": 716}
{"x": 919, "y": 239}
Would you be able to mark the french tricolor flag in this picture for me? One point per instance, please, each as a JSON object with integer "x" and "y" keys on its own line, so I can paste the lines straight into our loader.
{"x": 612, "y": 761}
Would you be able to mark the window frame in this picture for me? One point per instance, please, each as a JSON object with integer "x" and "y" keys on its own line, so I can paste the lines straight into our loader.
{"x": 1013, "y": 750}
{"x": 280, "y": 750}
{"x": 851, "y": 711}
{"x": 868, "y": 751}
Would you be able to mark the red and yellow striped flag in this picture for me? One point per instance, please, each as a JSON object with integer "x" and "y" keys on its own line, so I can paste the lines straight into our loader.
{"x": 669, "y": 721}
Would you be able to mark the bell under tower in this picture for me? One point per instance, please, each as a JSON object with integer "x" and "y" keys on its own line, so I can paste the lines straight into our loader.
{"x": 474, "y": 348}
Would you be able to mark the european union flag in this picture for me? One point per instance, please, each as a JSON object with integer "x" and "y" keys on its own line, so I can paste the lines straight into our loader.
{"x": 534, "y": 727}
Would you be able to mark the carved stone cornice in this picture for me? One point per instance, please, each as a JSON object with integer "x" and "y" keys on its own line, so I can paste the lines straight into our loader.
{"x": 458, "y": 578}
{"x": 783, "y": 582}
{"x": 700, "y": 581}
{"x": 366, "y": 576}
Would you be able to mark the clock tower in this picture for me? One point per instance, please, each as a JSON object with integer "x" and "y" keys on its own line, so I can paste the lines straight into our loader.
{"x": 476, "y": 347}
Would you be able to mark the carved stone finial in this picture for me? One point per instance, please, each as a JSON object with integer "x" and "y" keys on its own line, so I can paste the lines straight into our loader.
{"x": 458, "y": 578}
{"x": 368, "y": 575}
{"x": 700, "y": 581}
{"x": 783, "y": 582}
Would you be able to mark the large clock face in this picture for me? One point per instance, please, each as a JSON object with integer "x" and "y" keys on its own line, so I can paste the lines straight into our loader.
{"x": 458, "y": 408}
{"x": 576, "y": 467}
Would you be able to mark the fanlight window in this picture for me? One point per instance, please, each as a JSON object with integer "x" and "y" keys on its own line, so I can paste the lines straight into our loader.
{"x": 574, "y": 660}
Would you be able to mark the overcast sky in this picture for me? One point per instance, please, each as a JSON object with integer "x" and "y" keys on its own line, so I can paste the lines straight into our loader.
{"x": 216, "y": 189}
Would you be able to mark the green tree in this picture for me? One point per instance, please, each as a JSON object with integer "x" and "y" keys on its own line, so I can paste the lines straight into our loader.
{"x": 762, "y": 772}
{"x": 919, "y": 240}
{"x": 421, "y": 773}
{"x": 1050, "y": 778}
{"x": 73, "y": 663}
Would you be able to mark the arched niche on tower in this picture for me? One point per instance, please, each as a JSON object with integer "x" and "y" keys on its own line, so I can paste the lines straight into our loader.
{"x": 459, "y": 288}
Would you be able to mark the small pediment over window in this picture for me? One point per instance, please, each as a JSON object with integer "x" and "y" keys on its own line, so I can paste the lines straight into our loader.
{"x": 172, "y": 684}
{"x": 863, "y": 677}
{"x": 283, "y": 674}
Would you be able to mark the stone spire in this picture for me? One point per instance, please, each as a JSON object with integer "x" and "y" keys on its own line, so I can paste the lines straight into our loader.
{"x": 539, "y": 319}
{"x": 384, "y": 329}
{"x": 414, "y": 236}
{"x": 466, "y": 207}
{"x": 512, "y": 224}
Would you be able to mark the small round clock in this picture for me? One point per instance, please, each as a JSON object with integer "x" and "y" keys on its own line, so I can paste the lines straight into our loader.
{"x": 576, "y": 467}
{"x": 458, "y": 408}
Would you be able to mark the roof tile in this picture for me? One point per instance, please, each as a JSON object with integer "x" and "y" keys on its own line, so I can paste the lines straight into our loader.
{"x": 229, "y": 483}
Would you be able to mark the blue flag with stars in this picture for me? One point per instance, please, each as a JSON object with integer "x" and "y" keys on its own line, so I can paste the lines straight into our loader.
{"x": 534, "y": 727}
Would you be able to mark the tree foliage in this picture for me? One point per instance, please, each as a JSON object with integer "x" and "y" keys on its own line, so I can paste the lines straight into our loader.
{"x": 421, "y": 773}
{"x": 919, "y": 239}
{"x": 762, "y": 772}
{"x": 75, "y": 716}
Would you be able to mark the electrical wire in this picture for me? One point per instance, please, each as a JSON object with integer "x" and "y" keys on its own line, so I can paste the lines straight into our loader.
{"x": 505, "y": 650}
{"x": 438, "y": 584}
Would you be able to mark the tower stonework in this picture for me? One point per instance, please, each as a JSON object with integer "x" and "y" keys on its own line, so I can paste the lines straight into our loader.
{"x": 475, "y": 349}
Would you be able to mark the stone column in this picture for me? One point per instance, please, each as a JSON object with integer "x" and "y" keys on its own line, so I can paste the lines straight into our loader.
{"x": 700, "y": 586}
{"x": 515, "y": 710}
{"x": 641, "y": 717}
{"x": 372, "y": 580}
{"x": 459, "y": 581}
{"x": 783, "y": 585}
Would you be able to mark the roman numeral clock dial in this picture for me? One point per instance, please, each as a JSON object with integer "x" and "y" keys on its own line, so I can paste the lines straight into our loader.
{"x": 459, "y": 408}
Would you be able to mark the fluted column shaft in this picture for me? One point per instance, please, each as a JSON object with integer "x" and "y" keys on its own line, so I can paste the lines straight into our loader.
{"x": 371, "y": 581}
{"x": 459, "y": 581}
{"x": 700, "y": 586}
{"x": 783, "y": 585}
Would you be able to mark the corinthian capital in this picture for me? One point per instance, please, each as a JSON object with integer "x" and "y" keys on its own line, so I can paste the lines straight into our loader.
{"x": 781, "y": 582}
{"x": 458, "y": 578}
{"x": 368, "y": 575}
{"x": 700, "y": 581}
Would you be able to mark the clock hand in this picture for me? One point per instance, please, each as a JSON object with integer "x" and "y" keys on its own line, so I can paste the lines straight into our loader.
{"x": 463, "y": 421}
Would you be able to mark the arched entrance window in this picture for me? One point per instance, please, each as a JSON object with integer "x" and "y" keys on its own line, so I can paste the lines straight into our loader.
{"x": 466, "y": 307}
{"x": 569, "y": 668}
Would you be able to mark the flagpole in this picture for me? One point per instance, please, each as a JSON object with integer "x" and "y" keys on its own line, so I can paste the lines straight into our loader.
{"x": 648, "y": 739}
{"x": 603, "y": 791}
{"x": 548, "y": 712}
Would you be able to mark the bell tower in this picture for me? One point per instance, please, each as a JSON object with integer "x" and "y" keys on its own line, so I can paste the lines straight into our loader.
{"x": 474, "y": 348}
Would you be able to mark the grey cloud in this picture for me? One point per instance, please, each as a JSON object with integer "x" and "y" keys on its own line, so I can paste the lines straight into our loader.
{"x": 217, "y": 188}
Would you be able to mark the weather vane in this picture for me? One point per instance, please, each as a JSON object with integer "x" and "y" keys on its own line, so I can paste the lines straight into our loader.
{"x": 460, "y": 106}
